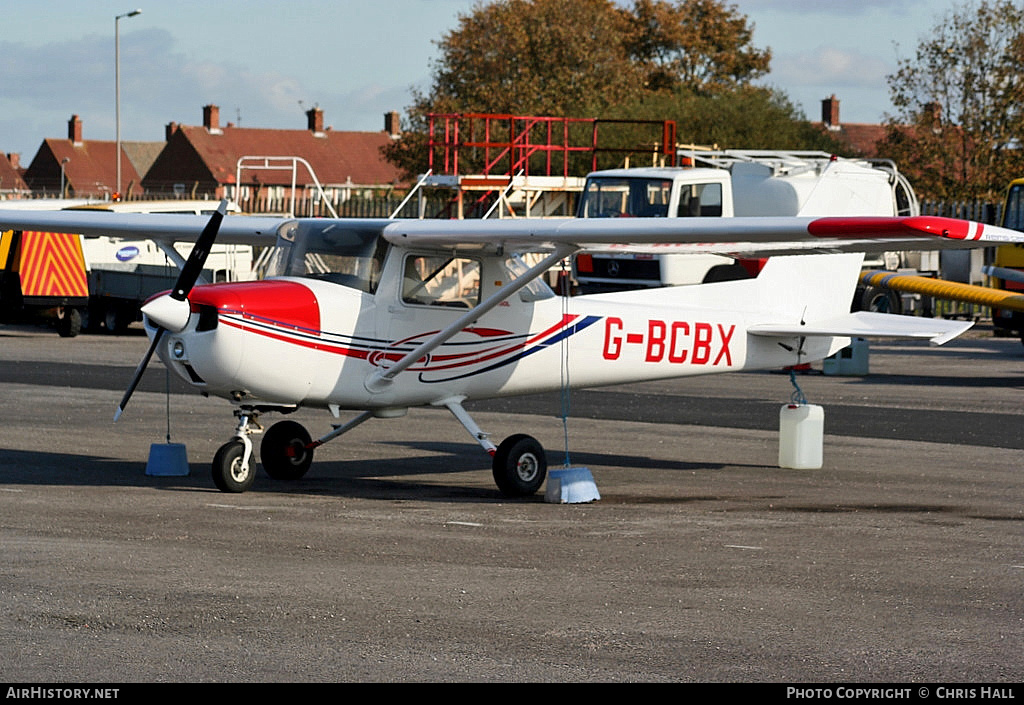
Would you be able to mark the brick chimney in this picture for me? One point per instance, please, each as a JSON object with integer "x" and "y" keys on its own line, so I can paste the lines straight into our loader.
{"x": 75, "y": 129}
{"x": 15, "y": 159}
{"x": 392, "y": 124}
{"x": 315, "y": 120}
{"x": 211, "y": 118}
{"x": 169, "y": 131}
{"x": 830, "y": 112}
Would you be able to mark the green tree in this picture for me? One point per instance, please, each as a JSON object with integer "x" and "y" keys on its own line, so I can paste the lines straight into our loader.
{"x": 545, "y": 57}
{"x": 958, "y": 124}
{"x": 561, "y": 58}
{"x": 700, "y": 45}
{"x": 691, "y": 61}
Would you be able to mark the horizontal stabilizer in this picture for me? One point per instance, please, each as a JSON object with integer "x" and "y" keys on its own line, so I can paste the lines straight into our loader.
{"x": 866, "y": 324}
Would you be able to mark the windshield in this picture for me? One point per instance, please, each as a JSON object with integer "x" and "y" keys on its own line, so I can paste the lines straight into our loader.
{"x": 618, "y": 197}
{"x": 346, "y": 255}
{"x": 1014, "y": 216}
{"x": 609, "y": 197}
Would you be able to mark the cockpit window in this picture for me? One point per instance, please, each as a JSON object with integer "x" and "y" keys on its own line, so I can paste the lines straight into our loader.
{"x": 432, "y": 280}
{"x": 349, "y": 256}
{"x": 537, "y": 289}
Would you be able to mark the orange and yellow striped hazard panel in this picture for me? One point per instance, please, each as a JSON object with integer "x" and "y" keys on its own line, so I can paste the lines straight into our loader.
{"x": 6, "y": 243}
{"x": 52, "y": 264}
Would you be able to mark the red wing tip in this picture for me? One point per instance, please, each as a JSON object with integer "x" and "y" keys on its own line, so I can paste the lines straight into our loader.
{"x": 918, "y": 225}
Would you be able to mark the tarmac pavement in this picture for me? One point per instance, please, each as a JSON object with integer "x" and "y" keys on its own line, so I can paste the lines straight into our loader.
{"x": 395, "y": 559}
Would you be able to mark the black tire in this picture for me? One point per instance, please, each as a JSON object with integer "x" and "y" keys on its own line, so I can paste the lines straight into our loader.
{"x": 69, "y": 322}
{"x": 229, "y": 475}
{"x": 520, "y": 466}
{"x": 115, "y": 319}
{"x": 927, "y": 307}
{"x": 285, "y": 451}
{"x": 881, "y": 300}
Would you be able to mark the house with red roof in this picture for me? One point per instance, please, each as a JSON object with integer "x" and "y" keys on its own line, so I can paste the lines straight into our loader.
{"x": 80, "y": 168}
{"x": 12, "y": 185}
{"x": 258, "y": 165}
{"x": 861, "y": 138}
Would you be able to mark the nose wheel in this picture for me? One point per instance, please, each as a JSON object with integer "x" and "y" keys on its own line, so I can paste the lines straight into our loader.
{"x": 233, "y": 466}
{"x": 233, "y": 469}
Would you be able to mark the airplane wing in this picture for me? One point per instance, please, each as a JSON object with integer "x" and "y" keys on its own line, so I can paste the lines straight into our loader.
{"x": 748, "y": 237}
{"x": 170, "y": 227}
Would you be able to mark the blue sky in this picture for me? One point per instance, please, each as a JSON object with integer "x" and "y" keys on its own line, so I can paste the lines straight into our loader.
{"x": 265, "y": 62}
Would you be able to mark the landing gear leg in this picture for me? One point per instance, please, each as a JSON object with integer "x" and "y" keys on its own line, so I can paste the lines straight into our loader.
{"x": 287, "y": 450}
{"x": 519, "y": 464}
{"x": 233, "y": 468}
{"x": 455, "y": 406}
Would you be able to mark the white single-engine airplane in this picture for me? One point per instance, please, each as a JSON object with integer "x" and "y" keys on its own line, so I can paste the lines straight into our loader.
{"x": 378, "y": 316}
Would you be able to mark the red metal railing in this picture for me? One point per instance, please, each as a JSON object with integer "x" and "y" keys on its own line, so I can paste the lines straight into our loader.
{"x": 501, "y": 146}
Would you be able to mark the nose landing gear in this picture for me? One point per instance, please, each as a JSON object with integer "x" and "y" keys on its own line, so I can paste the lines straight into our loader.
{"x": 233, "y": 466}
{"x": 286, "y": 453}
{"x": 233, "y": 469}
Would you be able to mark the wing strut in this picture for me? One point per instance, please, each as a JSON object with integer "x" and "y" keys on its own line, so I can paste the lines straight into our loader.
{"x": 382, "y": 377}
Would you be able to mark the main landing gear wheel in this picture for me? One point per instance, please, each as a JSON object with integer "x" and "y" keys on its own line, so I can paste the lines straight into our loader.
{"x": 285, "y": 451}
{"x": 520, "y": 466}
{"x": 230, "y": 474}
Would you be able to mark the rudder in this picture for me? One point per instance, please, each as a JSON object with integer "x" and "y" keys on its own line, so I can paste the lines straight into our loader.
{"x": 810, "y": 287}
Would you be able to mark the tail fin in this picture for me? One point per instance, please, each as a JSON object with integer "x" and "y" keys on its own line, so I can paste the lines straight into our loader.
{"x": 808, "y": 288}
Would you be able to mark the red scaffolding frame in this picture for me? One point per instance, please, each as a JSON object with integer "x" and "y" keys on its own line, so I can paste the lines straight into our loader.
{"x": 499, "y": 146}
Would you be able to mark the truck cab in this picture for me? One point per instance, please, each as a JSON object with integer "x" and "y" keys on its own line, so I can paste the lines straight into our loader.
{"x": 727, "y": 184}
{"x": 1007, "y": 270}
{"x": 656, "y": 192}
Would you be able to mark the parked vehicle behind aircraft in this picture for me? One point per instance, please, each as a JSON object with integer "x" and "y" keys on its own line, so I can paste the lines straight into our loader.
{"x": 99, "y": 282}
{"x": 726, "y": 184}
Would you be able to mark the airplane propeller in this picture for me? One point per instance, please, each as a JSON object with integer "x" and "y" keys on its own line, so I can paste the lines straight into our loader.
{"x": 171, "y": 311}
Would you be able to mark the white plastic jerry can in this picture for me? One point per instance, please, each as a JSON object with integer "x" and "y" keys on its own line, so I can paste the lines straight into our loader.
{"x": 801, "y": 436}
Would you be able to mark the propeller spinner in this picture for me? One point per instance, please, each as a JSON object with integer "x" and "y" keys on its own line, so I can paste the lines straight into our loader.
{"x": 171, "y": 311}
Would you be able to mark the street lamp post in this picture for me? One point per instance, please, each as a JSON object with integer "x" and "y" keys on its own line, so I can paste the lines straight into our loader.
{"x": 63, "y": 161}
{"x": 117, "y": 94}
